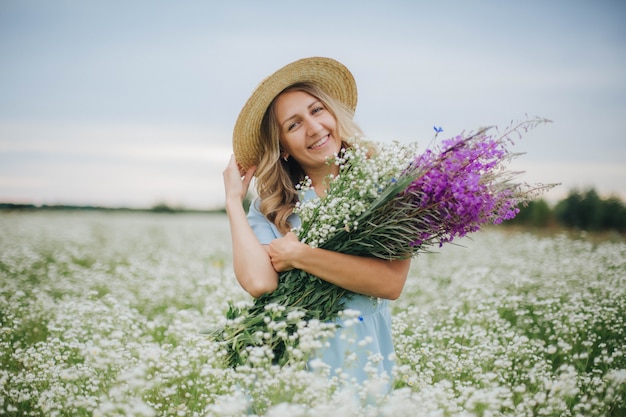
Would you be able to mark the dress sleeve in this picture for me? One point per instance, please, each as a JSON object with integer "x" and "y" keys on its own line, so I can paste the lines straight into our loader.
{"x": 264, "y": 230}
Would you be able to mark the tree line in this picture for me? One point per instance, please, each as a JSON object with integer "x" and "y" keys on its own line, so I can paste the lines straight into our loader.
{"x": 579, "y": 210}
{"x": 584, "y": 210}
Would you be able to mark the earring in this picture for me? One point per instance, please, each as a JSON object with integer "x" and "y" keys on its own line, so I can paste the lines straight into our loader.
{"x": 286, "y": 158}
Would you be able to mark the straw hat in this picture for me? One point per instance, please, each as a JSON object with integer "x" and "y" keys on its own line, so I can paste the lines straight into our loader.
{"x": 332, "y": 76}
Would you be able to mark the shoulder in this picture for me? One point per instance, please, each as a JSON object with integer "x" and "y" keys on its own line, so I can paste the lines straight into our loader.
{"x": 264, "y": 230}
{"x": 254, "y": 212}
{"x": 255, "y": 206}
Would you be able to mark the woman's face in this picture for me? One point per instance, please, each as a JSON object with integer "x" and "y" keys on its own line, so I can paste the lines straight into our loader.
{"x": 308, "y": 131}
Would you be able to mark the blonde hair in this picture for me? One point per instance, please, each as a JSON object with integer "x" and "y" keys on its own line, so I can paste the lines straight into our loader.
{"x": 276, "y": 179}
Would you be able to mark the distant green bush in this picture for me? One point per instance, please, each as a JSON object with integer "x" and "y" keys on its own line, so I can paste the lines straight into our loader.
{"x": 579, "y": 210}
{"x": 536, "y": 214}
{"x": 163, "y": 208}
{"x": 587, "y": 211}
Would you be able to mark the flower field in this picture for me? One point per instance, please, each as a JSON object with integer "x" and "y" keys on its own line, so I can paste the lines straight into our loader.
{"x": 101, "y": 313}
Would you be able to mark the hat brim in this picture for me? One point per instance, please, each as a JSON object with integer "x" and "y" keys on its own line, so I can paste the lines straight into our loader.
{"x": 330, "y": 75}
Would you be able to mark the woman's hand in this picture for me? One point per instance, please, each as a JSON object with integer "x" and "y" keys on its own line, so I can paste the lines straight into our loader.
{"x": 285, "y": 251}
{"x": 363, "y": 275}
{"x": 235, "y": 183}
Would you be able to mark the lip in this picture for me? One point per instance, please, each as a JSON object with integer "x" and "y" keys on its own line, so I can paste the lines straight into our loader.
{"x": 320, "y": 142}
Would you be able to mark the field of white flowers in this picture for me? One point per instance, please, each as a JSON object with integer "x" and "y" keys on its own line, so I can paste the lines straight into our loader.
{"x": 100, "y": 315}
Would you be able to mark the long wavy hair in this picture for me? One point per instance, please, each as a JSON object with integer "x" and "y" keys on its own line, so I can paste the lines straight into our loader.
{"x": 275, "y": 178}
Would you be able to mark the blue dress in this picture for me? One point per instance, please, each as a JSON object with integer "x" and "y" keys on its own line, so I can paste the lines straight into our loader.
{"x": 367, "y": 340}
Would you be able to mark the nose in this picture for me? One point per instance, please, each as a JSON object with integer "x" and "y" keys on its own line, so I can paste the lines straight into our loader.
{"x": 313, "y": 127}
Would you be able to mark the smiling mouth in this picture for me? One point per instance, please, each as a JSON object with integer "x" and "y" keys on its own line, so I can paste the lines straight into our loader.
{"x": 319, "y": 143}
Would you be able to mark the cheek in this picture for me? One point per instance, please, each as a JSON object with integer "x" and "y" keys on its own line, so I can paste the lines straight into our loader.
{"x": 287, "y": 143}
{"x": 331, "y": 123}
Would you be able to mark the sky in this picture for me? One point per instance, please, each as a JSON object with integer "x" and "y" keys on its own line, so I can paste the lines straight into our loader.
{"x": 132, "y": 103}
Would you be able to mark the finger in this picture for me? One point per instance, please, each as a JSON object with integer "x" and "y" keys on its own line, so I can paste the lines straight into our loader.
{"x": 231, "y": 164}
{"x": 249, "y": 174}
{"x": 242, "y": 172}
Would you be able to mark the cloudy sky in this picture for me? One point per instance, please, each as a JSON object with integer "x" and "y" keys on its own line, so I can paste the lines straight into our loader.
{"x": 132, "y": 103}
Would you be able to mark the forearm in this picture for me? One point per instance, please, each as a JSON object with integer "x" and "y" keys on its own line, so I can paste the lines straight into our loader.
{"x": 369, "y": 276}
{"x": 251, "y": 263}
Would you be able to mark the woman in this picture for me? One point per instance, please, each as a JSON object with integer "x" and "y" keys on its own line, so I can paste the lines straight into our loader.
{"x": 294, "y": 121}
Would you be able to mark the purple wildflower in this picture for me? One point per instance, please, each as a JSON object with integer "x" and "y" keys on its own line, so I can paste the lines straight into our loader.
{"x": 457, "y": 186}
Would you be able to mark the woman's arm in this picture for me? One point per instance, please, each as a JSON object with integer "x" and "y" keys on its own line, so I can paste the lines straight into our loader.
{"x": 251, "y": 262}
{"x": 369, "y": 276}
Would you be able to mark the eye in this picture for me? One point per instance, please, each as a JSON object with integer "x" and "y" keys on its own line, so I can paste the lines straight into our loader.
{"x": 317, "y": 109}
{"x": 291, "y": 126}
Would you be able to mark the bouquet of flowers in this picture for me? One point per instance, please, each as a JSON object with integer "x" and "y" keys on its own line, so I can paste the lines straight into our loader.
{"x": 393, "y": 204}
